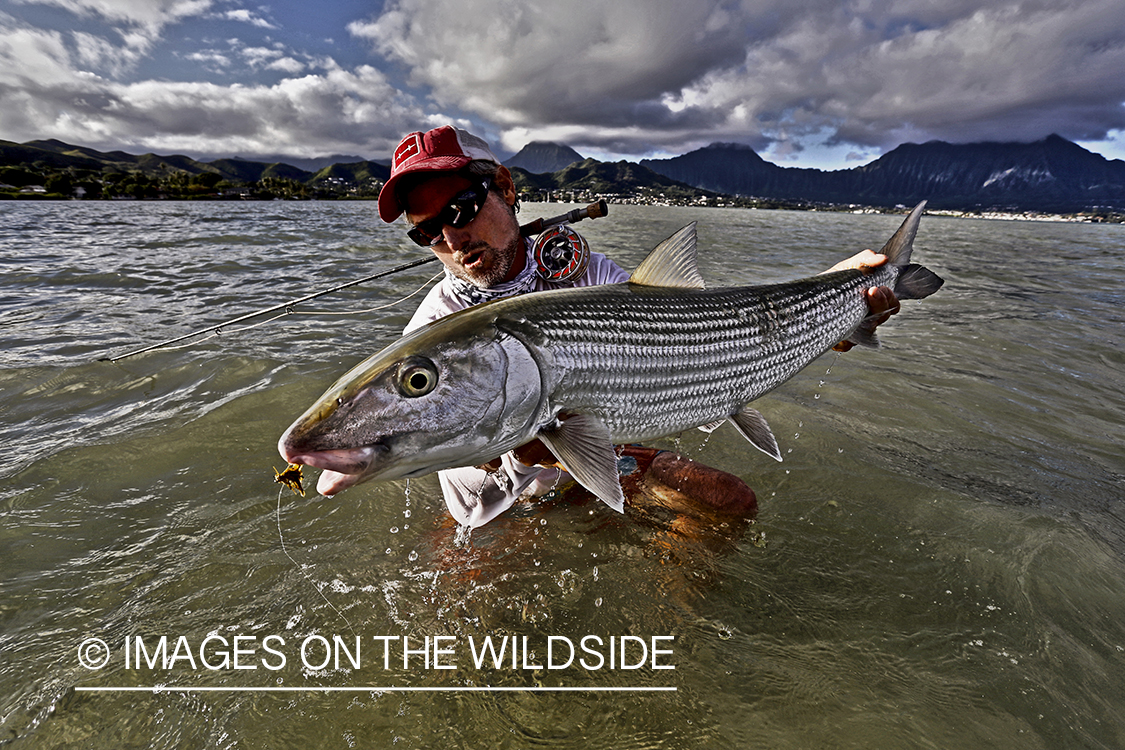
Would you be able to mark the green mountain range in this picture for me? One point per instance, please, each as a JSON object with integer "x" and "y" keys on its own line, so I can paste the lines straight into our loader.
{"x": 1052, "y": 175}
{"x": 35, "y": 162}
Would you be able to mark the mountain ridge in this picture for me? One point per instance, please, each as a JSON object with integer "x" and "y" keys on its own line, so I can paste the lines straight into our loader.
{"x": 1052, "y": 175}
{"x": 543, "y": 157}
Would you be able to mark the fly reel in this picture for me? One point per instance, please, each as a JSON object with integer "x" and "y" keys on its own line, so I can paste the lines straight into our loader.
{"x": 561, "y": 254}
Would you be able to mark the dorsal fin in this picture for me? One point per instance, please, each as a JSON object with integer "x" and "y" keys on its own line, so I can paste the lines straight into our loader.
{"x": 671, "y": 263}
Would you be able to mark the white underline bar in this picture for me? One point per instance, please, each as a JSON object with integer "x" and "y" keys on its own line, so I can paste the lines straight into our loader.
{"x": 374, "y": 689}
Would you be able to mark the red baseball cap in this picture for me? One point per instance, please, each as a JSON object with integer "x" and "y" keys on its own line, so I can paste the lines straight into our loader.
{"x": 444, "y": 149}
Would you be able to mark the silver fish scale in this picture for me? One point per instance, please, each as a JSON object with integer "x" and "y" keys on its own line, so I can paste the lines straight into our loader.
{"x": 673, "y": 359}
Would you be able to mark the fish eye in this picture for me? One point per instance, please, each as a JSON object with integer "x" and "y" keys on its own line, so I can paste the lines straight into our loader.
{"x": 416, "y": 377}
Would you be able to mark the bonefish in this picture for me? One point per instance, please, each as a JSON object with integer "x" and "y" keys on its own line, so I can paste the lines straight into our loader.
{"x": 585, "y": 368}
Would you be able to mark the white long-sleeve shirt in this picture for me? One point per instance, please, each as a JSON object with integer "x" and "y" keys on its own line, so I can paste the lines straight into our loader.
{"x": 475, "y": 496}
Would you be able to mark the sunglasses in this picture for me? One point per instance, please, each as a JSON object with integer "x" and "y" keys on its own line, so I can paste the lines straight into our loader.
{"x": 460, "y": 211}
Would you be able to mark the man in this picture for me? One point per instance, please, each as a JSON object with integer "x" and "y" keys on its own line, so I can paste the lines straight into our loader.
{"x": 461, "y": 203}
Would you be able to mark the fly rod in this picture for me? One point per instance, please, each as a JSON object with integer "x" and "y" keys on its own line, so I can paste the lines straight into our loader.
{"x": 592, "y": 211}
{"x": 268, "y": 310}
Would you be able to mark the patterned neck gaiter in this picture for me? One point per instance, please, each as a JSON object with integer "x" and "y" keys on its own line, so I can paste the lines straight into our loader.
{"x": 525, "y": 282}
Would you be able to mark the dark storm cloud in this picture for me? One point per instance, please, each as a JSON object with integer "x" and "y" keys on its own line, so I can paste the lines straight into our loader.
{"x": 642, "y": 75}
{"x": 631, "y": 77}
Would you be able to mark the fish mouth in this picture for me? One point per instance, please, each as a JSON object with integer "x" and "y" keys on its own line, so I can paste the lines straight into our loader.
{"x": 343, "y": 467}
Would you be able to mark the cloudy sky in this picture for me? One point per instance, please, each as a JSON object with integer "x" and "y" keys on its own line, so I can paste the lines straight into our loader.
{"x": 815, "y": 83}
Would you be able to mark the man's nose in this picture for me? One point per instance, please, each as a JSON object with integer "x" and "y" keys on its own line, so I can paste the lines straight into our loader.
{"x": 456, "y": 238}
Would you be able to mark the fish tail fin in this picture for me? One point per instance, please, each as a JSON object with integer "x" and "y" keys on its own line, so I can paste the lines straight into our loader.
{"x": 901, "y": 243}
{"x": 914, "y": 282}
{"x": 917, "y": 282}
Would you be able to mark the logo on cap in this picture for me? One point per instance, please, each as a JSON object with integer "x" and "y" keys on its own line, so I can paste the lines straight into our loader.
{"x": 410, "y": 147}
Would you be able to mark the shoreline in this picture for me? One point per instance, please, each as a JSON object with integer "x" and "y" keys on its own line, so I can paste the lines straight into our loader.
{"x": 1090, "y": 216}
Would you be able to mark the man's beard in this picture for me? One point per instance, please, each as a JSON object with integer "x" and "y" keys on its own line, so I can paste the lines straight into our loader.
{"x": 496, "y": 272}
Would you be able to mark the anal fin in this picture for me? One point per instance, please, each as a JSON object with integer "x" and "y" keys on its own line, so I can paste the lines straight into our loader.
{"x": 754, "y": 428}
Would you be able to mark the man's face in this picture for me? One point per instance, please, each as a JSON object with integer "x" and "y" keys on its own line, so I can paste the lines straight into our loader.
{"x": 484, "y": 252}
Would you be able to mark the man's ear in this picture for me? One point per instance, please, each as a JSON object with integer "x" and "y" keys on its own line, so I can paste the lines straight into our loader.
{"x": 505, "y": 184}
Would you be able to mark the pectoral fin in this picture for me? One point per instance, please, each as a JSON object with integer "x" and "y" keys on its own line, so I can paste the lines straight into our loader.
{"x": 581, "y": 442}
{"x": 754, "y": 428}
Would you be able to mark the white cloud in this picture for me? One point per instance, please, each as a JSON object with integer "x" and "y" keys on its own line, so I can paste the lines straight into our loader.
{"x": 151, "y": 14}
{"x": 211, "y": 59}
{"x": 287, "y": 65}
{"x": 633, "y": 75}
{"x": 245, "y": 16}
{"x": 43, "y": 96}
{"x": 630, "y": 77}
{"x": 31, "y": 59}
{"x": 98, "y": 53}
{"x": 258, "y": 57}
{"x": 272, "y": 58}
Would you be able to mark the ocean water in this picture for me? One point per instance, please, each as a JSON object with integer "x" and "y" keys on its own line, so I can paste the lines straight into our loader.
{"x": 939, "y": 562}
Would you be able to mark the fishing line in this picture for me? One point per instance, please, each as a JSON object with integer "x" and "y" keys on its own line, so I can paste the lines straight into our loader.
{"x": 218, "y": 332}
{"x": 554, "y": 263}
{"x": 425, "y": 284}
{"x": 298, "y": 566}
{"x": 283, "y": 306}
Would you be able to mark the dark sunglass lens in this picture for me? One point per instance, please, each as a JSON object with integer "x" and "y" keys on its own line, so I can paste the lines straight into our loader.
{"x": 425, "y": 234}
{"x": 460, "y": 211}
{"x": 465, "y": 207}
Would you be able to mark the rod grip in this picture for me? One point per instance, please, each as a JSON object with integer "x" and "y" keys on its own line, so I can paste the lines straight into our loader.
{"x": 533, "y": 227}
{"x": 597, "y": 210}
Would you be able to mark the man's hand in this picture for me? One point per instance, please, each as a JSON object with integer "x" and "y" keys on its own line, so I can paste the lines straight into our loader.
{"x": 881, "y": 301}
{"x": 534, "y": 453}
{"x": 862, "y": 261}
